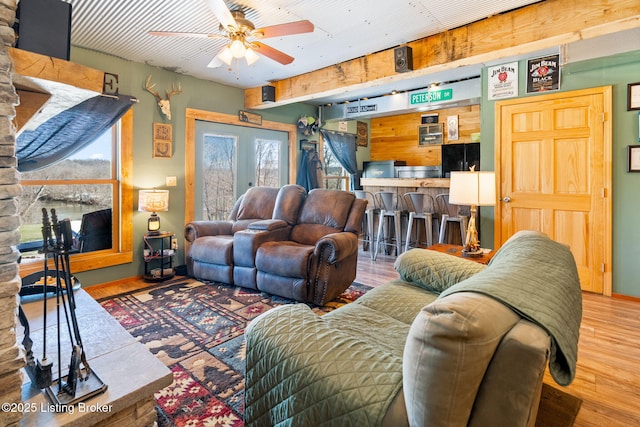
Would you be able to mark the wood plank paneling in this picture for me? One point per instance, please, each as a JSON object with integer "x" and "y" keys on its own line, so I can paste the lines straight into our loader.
{"x": 396, "y": 137}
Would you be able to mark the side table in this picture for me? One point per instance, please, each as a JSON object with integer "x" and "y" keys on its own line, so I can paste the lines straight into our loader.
{"x": 456, "y": 250}
{"x": 158, "y": 253}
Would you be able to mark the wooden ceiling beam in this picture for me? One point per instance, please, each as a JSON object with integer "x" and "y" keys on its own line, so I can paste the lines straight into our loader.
{"x": 538, "y": 26}
{"x": 48, "y": 85}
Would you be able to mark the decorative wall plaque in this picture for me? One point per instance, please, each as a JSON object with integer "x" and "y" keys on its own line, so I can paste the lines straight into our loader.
{"x": 162, "y": 140}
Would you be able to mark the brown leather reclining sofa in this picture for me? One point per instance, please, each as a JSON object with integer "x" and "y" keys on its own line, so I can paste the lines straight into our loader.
{"x": 286, "y": 242}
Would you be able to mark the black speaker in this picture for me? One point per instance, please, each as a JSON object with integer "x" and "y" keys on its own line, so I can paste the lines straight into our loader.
{"x": 403, "y": 59}
{"x": 268, "y": 94}
{"x": 44, "y": 26}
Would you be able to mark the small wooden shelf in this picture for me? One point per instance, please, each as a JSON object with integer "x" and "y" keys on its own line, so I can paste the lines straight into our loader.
{"x": 158, "y": 254}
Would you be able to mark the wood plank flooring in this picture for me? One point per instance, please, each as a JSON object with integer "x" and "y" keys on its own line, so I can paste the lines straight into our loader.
{"x": 608, "y": 372}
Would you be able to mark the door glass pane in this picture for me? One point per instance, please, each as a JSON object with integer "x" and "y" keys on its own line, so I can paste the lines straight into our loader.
{"x": 267, "y": 162}
{"x": 219, "y": 171}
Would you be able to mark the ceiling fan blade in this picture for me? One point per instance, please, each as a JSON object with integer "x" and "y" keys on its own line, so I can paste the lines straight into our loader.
{"x": 297, "y": 27}
{"x": 222, "y": 12}
{"x": 272, "y": 53}
{"x": 181, "y": 34}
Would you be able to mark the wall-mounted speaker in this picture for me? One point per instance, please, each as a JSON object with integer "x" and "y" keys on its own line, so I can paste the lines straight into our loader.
{"x": 44, "y": 26}
{"x": 403, "y": 57}
{"x": 268, "y": 93}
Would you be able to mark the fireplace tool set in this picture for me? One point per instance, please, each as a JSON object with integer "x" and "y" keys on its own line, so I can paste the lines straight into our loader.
{"x": 81, "y": 382}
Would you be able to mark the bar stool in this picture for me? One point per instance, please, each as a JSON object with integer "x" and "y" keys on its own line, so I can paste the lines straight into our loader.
{"x": 368, "y": 220}
{"x": 388, "y": 213}
{"x": 449, "y": 214}
{"x": 421, "y": 207}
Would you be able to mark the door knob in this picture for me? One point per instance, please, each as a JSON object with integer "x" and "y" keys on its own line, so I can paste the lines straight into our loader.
{"x": 506, "y": 199}
{"x": 250, "y": 184}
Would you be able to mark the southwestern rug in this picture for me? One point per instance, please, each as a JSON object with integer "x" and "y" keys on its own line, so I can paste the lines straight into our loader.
{"x": 197, "y": 330}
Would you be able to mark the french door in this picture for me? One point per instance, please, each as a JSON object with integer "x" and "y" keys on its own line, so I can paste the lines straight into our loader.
{"x": 230, "y": 159}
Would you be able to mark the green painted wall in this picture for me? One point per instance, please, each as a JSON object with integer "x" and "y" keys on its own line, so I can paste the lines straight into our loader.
{"x": 151, "y": 172}
{"x": 617, "y": 71}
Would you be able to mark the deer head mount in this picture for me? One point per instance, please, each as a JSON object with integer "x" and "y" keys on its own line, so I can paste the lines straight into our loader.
{"x": 164, "y": 104}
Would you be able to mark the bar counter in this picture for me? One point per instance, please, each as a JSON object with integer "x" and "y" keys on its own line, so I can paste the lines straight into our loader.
{"x": 406, "y": 182}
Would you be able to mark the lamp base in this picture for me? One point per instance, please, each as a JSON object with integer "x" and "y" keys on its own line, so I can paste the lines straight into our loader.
{"x": 472, "y": 254}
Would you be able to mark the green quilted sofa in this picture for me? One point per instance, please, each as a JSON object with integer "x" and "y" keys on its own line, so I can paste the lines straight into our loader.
{"x": 450, "y": 343}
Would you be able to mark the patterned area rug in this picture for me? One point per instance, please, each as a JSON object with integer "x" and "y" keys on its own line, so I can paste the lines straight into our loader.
{"x": 197, "y": 330}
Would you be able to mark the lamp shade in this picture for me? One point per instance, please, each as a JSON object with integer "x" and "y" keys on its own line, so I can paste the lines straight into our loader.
{"x": 472, "y": 188}
{"x": 153, "y": 200}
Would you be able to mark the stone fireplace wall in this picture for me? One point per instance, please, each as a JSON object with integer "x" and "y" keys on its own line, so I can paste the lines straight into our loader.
{"x": 11, "y": 356}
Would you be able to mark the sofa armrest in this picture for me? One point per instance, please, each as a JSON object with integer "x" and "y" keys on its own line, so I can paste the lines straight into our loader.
{"x": 340, "y": 246}
{"x": 247, "y": 242}
{"x": 268, "y": 224}
{"x": 196, "y": 229}
{"x": 295, "y": 368}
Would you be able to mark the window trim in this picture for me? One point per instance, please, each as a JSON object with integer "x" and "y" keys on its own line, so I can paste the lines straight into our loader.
{"x": 122, "y": 247}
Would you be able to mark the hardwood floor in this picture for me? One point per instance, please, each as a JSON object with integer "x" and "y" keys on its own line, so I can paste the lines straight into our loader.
{"x": 608, "y": 372}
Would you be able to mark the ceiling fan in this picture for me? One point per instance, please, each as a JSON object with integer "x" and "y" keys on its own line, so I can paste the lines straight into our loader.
{"x": 243, "y": 36}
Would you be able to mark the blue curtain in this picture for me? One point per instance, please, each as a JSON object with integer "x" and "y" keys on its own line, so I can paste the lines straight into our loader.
{"x": 310, "y": 170}
{"x": 343, "y": 146}
{"x": 69, "y": 131}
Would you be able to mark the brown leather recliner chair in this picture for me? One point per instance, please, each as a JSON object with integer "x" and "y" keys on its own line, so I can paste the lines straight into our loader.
{"x": 316, "y": 260}
{"x": 209, "y": 254}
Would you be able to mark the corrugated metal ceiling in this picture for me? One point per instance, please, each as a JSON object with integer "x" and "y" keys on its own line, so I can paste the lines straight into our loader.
{"x": 344, "y": 29}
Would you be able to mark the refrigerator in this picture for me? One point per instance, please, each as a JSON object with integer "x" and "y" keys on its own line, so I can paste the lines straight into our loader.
{"x": 459, "y": 157}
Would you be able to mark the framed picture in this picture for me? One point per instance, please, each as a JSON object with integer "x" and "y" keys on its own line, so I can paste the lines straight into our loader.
{"x": 247, "y": 117}
{"x": 162, "y": 149}
{"x": 162, "y": 140}
{"x": 162, "y": 132}
{"x": 362, "y": 137}
{"x": 633, "y": 157}
{"x": 307, "y": 145}
{"x": 633, "y": 96}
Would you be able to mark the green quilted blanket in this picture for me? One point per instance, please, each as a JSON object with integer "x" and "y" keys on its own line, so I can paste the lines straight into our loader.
{"x": 537, "y": 277}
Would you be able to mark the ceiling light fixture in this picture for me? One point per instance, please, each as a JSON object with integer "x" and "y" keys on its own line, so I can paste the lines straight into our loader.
{"x": 237, "y": 49}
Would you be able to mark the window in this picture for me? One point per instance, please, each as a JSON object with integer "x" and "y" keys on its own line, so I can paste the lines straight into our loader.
{"x": 94, "y": 180}
{"x": 335, "y": 177}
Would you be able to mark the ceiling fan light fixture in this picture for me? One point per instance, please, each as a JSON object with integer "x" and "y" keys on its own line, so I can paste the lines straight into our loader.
{"x": 237, "y": 48}
{"x": 225, "y": 55}
{"x": 251, "y": 56}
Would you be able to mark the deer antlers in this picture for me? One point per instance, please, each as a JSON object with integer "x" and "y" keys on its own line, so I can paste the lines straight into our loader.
{"x": 164, "y": 104}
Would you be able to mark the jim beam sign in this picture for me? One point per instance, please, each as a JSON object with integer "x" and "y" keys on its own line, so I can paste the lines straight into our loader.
{"x": 503, "y": 81}
{"x": 543, "y": 74}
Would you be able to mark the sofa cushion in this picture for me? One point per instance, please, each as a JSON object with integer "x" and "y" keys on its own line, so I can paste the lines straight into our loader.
{"x": 372, "y": 326}
{"x": 434, "y": 271}
{"x": 323, "y": 212}
{"x": 258, "y": 203}
{"x": 213, "y": 249}
{"x": 287, "y": 259}
{"x": 448, "y": 349}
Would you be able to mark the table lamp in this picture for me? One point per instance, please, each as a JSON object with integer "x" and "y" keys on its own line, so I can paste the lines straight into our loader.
{"x": 472, "y": 189}
{"x": 153, "y": 201}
